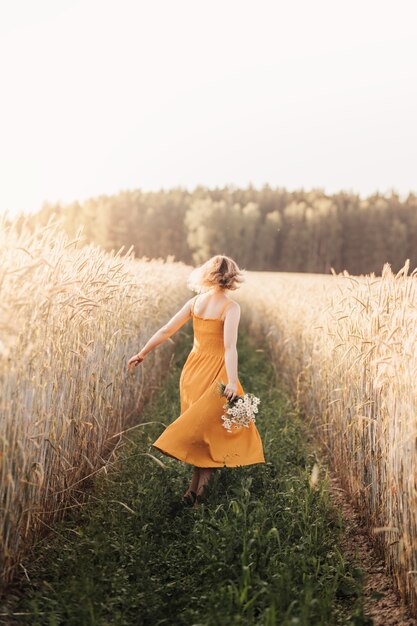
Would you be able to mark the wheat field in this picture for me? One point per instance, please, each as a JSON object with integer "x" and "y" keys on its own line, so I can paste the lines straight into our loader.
{"x": 345, "y": 348}
{"x": 70, "y": 318}
{"x": 72, "y": 314}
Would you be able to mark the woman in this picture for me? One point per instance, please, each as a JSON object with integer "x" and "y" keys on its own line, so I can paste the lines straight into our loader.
{"x": 197, "y": 436}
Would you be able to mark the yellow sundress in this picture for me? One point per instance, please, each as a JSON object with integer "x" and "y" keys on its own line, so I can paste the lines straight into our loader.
{"x": 198, "y": 436}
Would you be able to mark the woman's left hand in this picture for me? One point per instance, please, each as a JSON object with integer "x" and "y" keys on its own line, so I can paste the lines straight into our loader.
{"x": 135, "y": 360}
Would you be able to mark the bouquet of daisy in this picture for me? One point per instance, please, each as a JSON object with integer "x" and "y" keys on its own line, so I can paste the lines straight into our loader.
{"x": 240, "y": 411}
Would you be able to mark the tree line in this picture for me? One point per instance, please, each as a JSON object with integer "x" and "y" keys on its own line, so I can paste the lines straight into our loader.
{"x": 262, "y": 229}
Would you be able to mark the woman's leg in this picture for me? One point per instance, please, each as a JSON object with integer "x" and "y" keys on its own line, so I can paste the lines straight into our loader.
{"x": 204, "y": 477}
{"x": 194, "y": 481}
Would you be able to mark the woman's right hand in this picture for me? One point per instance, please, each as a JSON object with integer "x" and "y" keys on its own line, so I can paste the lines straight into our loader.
{"x": 230, "y": 391}
{"x": 135, "y": 360}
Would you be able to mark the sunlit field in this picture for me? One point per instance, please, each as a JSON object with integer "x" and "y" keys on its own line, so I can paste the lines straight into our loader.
{"x": 141, "y": 142}
{"x": 70, "y": 318}
{"x": 72, "y": 314}
{"x": 345, "y": 347}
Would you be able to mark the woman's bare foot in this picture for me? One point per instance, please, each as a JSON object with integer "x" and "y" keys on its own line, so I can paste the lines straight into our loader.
{"x": 189, "y": 495}
{"x": 205, "y": 475}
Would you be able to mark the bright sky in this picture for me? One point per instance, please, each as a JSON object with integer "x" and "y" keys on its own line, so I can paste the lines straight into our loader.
{"x": 103, "y": 95}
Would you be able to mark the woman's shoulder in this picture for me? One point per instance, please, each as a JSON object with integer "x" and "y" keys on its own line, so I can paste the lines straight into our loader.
{"x": 191, "y": 300}
{"x": 232, "y": 305}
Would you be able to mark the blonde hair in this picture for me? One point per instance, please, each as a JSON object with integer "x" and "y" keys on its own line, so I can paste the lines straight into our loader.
{"x": 218, "y": 271}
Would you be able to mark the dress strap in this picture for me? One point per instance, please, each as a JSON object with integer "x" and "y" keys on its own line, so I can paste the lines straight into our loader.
{"x": 193, "y": 303}
{"x": 224, "y": 308}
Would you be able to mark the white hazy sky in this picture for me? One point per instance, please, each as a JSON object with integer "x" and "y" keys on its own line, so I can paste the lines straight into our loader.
{"x": 103, "y": 95}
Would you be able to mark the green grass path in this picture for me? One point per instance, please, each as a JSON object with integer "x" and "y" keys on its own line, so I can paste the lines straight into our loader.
{"x": 262, "y": 550}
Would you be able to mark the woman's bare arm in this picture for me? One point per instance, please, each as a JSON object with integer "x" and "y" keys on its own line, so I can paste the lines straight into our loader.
{"x": 179, "y": 319}
{"x": 231, "y": 324}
